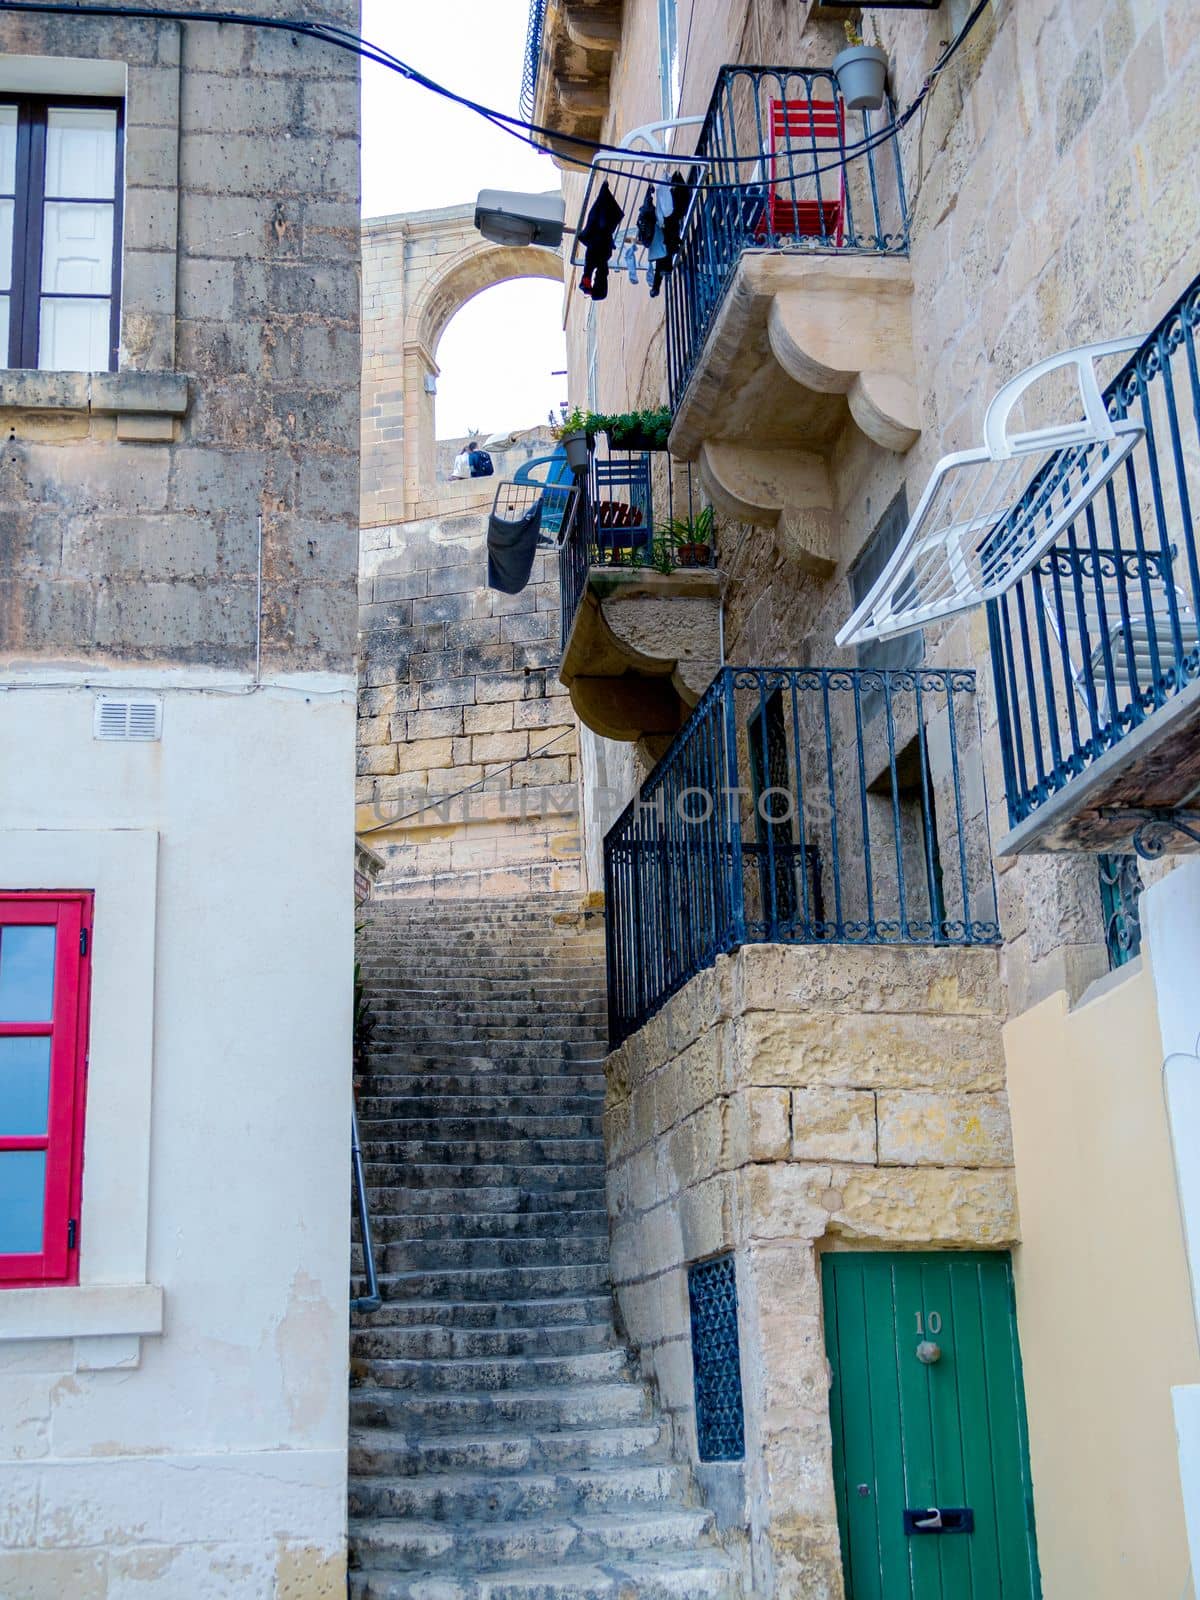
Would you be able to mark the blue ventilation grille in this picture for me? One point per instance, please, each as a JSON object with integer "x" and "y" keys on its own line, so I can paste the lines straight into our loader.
{"x": 712, "y": 1295}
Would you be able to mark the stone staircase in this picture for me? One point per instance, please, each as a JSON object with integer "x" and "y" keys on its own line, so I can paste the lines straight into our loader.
{"x": 502, "y": 1446}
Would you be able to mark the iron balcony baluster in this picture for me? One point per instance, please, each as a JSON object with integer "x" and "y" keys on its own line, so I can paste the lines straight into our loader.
{"x": 1102, "y": 632}
{"x": 805, "y": 194}
{"x": 698, "y": 865}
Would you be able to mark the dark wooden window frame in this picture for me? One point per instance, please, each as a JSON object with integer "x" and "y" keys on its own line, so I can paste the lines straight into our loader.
{"x": 25, "y": 297}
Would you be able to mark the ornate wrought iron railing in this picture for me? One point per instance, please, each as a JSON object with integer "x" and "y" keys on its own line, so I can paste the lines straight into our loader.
{"x": 618, "y": 527}
{"x": 1103, "y": 632}
{"x": 716, "y": 1360}
{"x": 790, "y": 168}
{"x": 533, "y": 57}
{"x": 800, "y": 805}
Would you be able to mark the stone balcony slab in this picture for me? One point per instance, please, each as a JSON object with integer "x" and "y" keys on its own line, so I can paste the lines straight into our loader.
{"x": 803, "y": 347}
{"x": 643, "y": 647}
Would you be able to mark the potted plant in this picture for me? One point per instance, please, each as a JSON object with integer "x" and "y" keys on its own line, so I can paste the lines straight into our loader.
{"x": 633, "y": 430}
{"x": 572, "y": 434}
{"x": 691, "y": 538}
{"x": 861, "y": 72}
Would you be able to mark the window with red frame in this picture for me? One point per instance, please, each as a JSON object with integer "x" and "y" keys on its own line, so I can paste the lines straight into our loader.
{"x": 45, "y": 943}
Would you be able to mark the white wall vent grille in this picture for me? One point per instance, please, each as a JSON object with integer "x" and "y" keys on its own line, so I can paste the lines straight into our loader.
{"x": 119, "y": 718}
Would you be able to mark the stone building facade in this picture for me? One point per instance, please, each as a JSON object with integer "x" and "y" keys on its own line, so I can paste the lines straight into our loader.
{"x": 792, "y": 1106}
{"x": 468, "y": 777}
{"x": 178, "y": 516}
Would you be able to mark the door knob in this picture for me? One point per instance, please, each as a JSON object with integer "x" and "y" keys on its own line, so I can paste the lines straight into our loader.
{"x": 928, "y": 1352}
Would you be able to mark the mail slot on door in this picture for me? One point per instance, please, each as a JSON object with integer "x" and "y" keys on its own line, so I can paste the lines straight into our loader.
{"x": 940, "y": 1519}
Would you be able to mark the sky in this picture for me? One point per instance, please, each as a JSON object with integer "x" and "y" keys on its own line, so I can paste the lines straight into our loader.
{"x": 499, "y": 354}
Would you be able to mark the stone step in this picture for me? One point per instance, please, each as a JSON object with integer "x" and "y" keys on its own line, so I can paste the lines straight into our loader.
{"x": 393, "y": 1059}
{"x": 453, "y": 1082}
{"x": 509, "y": 1153}
{"x": 572, "y": 1000}
{"x": 382, "y": 1103}
{"x": 535, "y": 1176}
{"x": 453, "y": 964}
{"x": 704, "y": 1575}
{"x": 490, "y": 1374}
{"x": 481, "y": 1497}
{"x": 432, "y": 1342}
{"x": 578, "y": 993}
{"x": 482, "y": 1200}
{"x": 402, "y": 1545}
{"x": 559, "y": 1311}
{"x": 414, "y": 1255}
{"x": 494, "y": 1283}
{"x": 419, "y": 1025}
{"x": 441, "y": 1125}
{"x": 379, "y": 1451}
{"x": 394, "y": 1227}
{"x": 556, "y": 1406}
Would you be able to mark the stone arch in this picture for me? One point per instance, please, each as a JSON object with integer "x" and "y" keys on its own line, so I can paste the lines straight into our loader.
{"x": 479, "y": 267}
{"x": 419, "y": 269}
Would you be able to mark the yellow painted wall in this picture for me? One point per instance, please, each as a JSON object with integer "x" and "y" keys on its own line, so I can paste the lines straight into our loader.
{"x": 1103, "y": 1297}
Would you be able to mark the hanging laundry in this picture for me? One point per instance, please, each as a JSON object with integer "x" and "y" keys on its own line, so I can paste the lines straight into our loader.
{"x": 647, "y": 219}
{"x": 598, "y": 236}
{"x": 670, "y": 208}
{"x": 512, "y": 544}
{"x": 629, "y": 260}
{"x": 673, "y": 221}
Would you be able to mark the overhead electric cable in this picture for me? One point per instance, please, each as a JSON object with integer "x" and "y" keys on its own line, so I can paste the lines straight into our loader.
{"x": 518, "y": 127}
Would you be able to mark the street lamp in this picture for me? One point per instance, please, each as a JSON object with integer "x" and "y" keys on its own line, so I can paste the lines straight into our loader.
{"x": 505, "y": 216}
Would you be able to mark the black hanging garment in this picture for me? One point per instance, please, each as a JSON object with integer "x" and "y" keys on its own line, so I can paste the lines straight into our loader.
{"x": 673, "y": 220}
{"x": 512, "y": 545}
{"x": 598, "y": 235}
{"x": 647, "y": 220}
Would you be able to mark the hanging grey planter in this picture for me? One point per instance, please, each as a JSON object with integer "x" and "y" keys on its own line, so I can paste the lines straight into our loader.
{"x": 575, "y": 448}
{"x": 861, "y": 73}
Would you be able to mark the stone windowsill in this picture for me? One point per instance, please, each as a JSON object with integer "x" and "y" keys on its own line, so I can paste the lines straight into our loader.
{"x": 145, "y": 404}
{"x": 97, "y": 1310}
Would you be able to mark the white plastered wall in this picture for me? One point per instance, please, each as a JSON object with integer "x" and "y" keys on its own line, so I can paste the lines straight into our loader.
{"x": 177, "y": 1423}
{"x": 1170, "y": 912}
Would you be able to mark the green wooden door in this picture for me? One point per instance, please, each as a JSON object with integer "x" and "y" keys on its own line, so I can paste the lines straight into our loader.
{"x": 941, "y": 1434}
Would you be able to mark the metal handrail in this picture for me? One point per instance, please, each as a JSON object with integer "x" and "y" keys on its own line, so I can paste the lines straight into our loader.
{"x": 372, "y": 1300}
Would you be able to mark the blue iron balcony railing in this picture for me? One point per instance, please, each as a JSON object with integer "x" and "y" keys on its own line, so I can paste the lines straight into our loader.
{"x": 789, "y": 167}
{"x": 533, "y": 57}
{"x": 618, "y": 527}
{"x": 1101, "y": 635}
{"x": 800, "y": 805}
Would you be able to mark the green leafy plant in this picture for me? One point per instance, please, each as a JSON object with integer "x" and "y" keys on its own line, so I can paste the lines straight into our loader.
{"x": 690, "y": 538}
{"x": 575, "y": 421}
{"x": 633, "y": 430}
{"x": 853, "y": 37}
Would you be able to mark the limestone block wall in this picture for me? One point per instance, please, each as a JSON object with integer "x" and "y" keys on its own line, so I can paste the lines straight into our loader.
{"x": 459, "y": 698}
{"x": 790, "y": 1101}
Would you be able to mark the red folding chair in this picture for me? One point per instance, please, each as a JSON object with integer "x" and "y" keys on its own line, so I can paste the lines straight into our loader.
{"x": 806, "y": 134}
